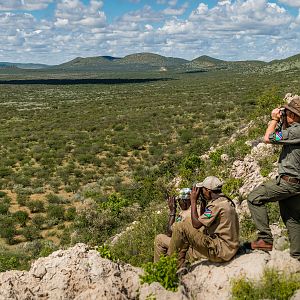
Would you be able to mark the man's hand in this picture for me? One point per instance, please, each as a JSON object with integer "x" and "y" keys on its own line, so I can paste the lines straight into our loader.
{"x": 194, "y": 214}
{"x": 172, "y": 204}
{"x": 276, "y": 114}
{"x": 195, "y": 194}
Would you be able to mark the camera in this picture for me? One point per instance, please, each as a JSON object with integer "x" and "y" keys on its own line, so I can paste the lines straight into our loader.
{"x": 282, "y": 113}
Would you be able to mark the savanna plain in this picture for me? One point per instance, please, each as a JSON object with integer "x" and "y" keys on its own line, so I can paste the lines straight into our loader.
{"x": 82, "y": 159}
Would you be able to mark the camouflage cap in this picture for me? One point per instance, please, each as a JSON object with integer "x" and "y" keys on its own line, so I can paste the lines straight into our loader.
{"x": 294, "y": 106}
{"x": 184, "y": 194}
{"x": 212, "y": 183}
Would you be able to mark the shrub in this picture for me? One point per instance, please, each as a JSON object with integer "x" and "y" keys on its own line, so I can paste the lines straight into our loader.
{"x": 7, "y": 228}
{"x": 247, "y": 229}
{"x": 21, "y": 217}
{"x": 70, "y": 214}
{"x": 38, "y": 220}
{"x": 115, "y": 202}
{"x": 2, "y": 194}
{"x": 31, "y": 233}
{"x": 163, "y": 271}
{"x": 267, "y": 165}
{"x": 55, "y": 213}
{"x": 106, "y": 252}
{"x": 8, "y": 261}
{"x": 231, "y": 187}
{"x": 54, "y": 199}
{"x": 22, "y": 199}
{"x": 4, "y": 208}
{"x": 136, "y": 245}
{"x": 36, "y": 206}
{"x": 268, "y": 100}
{"x": 273, "y": 285}
{"x": 189, "y": 165}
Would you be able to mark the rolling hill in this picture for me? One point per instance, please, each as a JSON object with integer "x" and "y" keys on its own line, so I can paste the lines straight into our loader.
{"x": 144, "y": 62}
{"x": 29, "y": 66}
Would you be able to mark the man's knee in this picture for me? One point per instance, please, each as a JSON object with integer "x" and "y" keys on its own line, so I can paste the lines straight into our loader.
{"x": 160, "y": 239}
{"x": 256, "y": 195}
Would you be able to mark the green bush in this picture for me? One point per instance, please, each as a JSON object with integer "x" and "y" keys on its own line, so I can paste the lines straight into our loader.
{"x": 247, "y": 229}
{"x": 267, "y": 101}
{"x": 54, "y": 199}
{"x": 55, "y": 213}
{"x": 21, "y": 217}
{"x": 267, "y": 165}
{"x": 163, "y": 271}
{"x": 22, "y": 199}
{"x": 8, "y": 261}
{"x": 70, "y": 214}
{"x": 136, "y": 246}
{"x": 2, "y": 194}
{"x": 106, "y": 252}
{"x": 31, "y": 233}
{"x": 4, "y": 208}
{"x": 273, "y": 285}
{"x": 36, "y": 206}
{"x": 38, "y": 220}
{"x": 231, "y": 187}
{"x": 189, "y": 167}
{"x": 115, "y": 202}
{"x": 7, "y": 228}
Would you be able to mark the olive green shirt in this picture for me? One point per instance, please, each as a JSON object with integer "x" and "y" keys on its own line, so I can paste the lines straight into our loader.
{"x": 289, "y": 159}
{"x": 222, "y": 224}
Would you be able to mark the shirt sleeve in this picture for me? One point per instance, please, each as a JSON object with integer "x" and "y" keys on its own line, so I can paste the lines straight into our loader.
{"x": 290, "y": 135}
{"x": 210, "y": 214}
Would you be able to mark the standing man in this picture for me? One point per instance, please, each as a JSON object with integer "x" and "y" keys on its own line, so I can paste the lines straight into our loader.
{"x": 286, "y": 187}
{"x": 215, "y": 233}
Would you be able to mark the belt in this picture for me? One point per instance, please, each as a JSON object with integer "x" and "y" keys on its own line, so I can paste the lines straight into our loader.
{"x": 290, "y": 179}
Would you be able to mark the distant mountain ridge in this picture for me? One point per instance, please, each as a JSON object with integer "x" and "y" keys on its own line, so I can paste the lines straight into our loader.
{"x": 154, "y": 62}
{"x": 23, "y": 65}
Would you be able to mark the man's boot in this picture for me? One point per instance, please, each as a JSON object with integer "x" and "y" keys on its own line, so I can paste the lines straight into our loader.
{"x": 261, "y": 245}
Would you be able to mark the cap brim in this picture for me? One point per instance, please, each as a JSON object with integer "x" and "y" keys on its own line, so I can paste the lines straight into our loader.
{"x": 199, "y": 185}
{"x": 292, "y": 109}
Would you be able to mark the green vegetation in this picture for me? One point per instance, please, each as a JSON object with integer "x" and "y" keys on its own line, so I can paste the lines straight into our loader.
{"x": 105, "y": 252}
{"x": 88, "y": 158}
{"x": 136, "y": 246}
{"x": 272, "y": 285}
{"x": 163, "y": 271}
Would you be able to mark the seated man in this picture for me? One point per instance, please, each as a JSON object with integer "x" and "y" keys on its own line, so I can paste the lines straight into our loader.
{"x": 162, "y": 241}
{"x": 215, "y": 233}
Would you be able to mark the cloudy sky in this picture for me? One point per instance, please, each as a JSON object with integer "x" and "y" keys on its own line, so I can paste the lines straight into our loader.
{"x": 55, "y": 31}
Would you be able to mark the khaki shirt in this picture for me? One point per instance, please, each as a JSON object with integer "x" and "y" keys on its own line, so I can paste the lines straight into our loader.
{"x": 289, "y": 159}
{"x": 222, "y": 225}
{"x": 182, "y": 215}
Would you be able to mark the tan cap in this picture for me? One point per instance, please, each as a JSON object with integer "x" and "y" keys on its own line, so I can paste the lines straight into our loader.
{"x": 294, "y": 106}
{"x": 212, "y": 183}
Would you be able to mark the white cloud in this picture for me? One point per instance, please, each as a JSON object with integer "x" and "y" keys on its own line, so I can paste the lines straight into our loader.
{"x": 172, "y": 2}
{"x": 176, "y": 11}
{"x": 293, "y": 3}
{"x": 24, "y": 5}
{"x": 250, "y": 29}
{"x": 74, "y": 12}
{"x": 146, "y": 14}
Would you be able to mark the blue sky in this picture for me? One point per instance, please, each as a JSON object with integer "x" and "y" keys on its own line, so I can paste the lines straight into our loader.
{"x": 55, "y": 31}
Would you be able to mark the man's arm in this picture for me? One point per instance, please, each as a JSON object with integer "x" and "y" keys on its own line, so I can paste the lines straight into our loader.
{"x": 272, "y": 125}
{"x": 172, "y": 214}
{"x": 194, "y": 213}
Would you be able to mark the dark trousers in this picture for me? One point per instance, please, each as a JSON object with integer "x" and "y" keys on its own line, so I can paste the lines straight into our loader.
{"x": 288, "y": 195}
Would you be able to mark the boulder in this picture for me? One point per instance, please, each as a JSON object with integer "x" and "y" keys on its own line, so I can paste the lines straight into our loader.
{"x": 213, "y": 280}
{"x": 81, "y": 274}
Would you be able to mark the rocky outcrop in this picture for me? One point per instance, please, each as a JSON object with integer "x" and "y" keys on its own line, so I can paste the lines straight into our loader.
{"x": 213, "y": 280}
{"x": 80, "y": 273}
